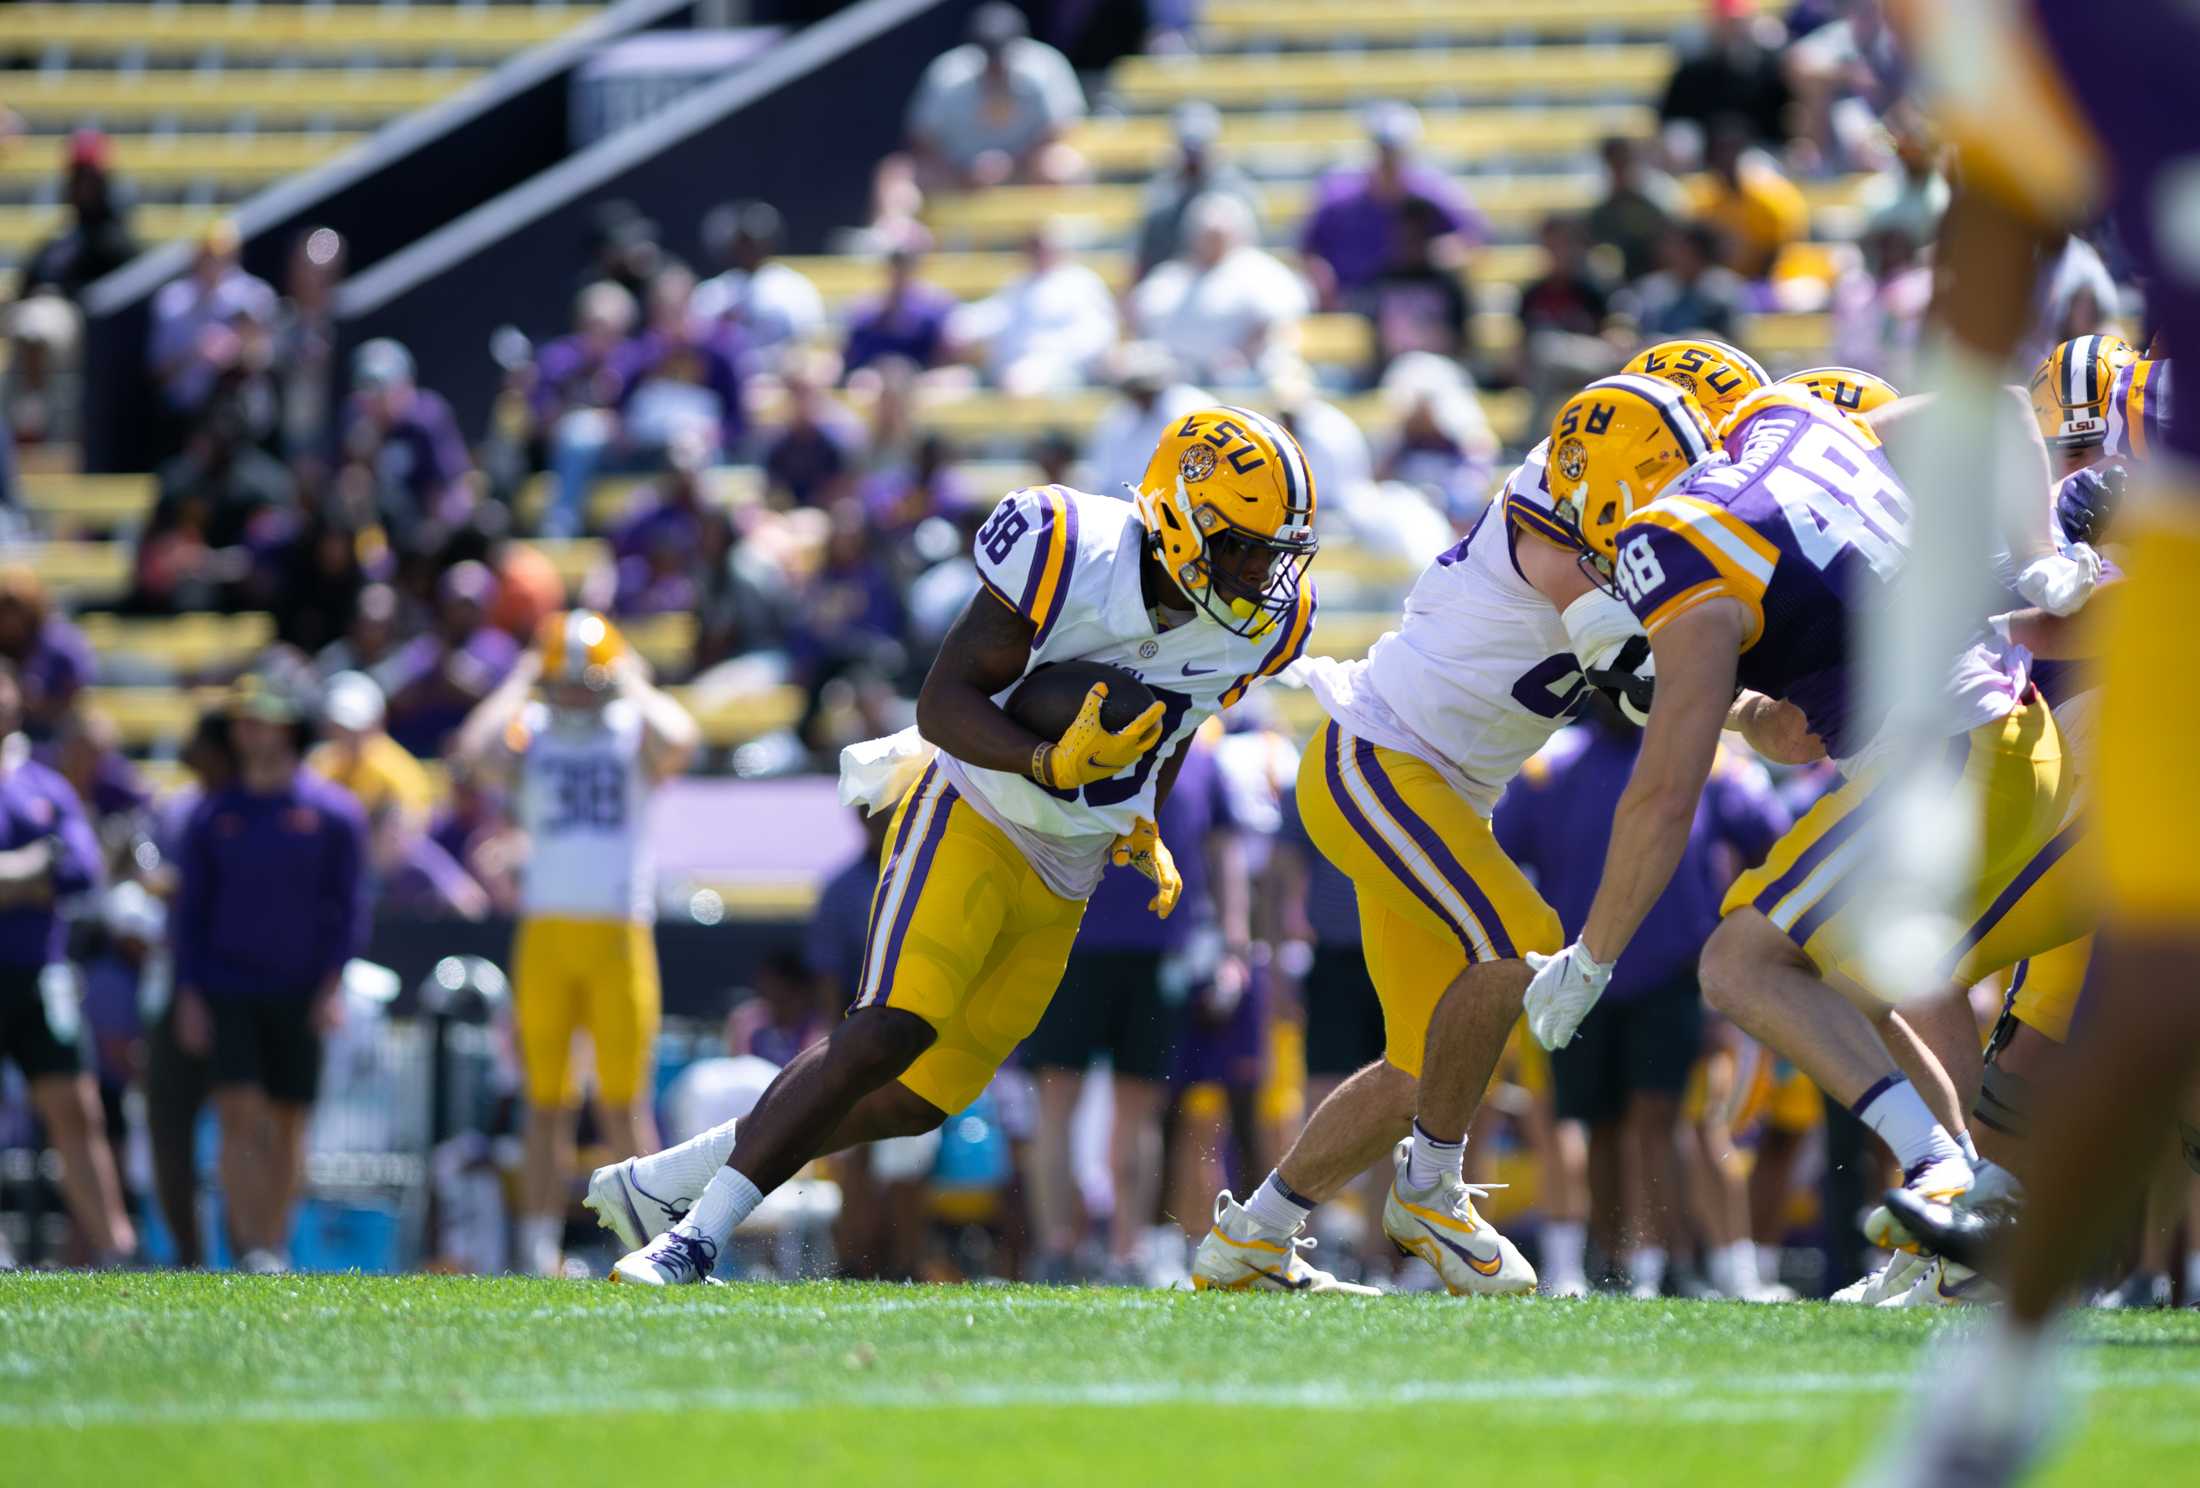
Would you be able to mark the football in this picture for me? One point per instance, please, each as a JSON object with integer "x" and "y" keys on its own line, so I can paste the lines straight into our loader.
{"x": 1046, "y": 701}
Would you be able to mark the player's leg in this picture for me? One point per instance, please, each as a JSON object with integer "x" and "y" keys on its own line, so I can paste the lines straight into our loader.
{"x": 549, "y": 1004}
{"x": 1659, "y": 1038}
{"x": 625, "y": 1004}
{"x": 1143, "y": 1041}
{"x": 291, "y": 1081}
{"x": 68, "y": 1105}
{"x": 1588, "y": 1090}
{"x": 1058, "y": 1053}
{"x": 175, "y": 1090}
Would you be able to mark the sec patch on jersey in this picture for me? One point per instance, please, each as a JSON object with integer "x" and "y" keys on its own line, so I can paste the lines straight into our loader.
{"x": 1046, "y": 701}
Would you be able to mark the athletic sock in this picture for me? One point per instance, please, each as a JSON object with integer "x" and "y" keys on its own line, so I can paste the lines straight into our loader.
{"x": 1646, "y": 1269}
{"x": 680, "y": 1172}
{"x": 2192, "y": 1279}
{"x": 541, "y": 1238}
{"x": 725, "y": 1201}
{"x": 1768, "y": 1264}
{"x": 1895, "y": 1110}
{"x": 1428, "y": 1159}
{"x": 1565, "y": 1241}
{"x": 1970, "y": 1149}
{"x": 1741, "y": 1268}
{"x": 1275, "y": 1208}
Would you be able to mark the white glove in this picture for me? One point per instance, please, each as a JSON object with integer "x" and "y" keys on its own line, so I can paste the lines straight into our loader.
{"x": 1566, "y": 986}
{"x": 2061, "y": 583}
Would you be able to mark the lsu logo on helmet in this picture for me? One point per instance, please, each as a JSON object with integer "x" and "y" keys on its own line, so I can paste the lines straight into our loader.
{"x": 580, "y": 647}
{"x": 1232, "y": 485}
{"x": 1850, "y": 389}
{"x": 1616, "y": 445}
{"x": 1715, "y": 374}
{"x": 2070, "y": 391}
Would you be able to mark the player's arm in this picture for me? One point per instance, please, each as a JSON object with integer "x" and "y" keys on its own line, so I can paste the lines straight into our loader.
{"x": 1696, "y": 653}
{"x": 670, "y": 735}
{"x": 479, "y": 742}
{"x": 986, "y": 650}
{"x": 1775, "y": 729}
{"x": 1598, "y": 623}
{"x": 2052, "y": 637}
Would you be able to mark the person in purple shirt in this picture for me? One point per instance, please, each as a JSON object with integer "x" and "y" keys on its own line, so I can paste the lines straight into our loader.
{"x": 812, "y": 461}
{"x": 437, "y": 678}
{"x": 1353, "y": 232}
{"x": 1126, "y": 995}
{"x": 577, "y": 379}
{"x": 50, "y": 658}
{"x": 270, "y": 905}
{"x": 407, "y": 438}
{"x": 194, "y": 338}
{"x": 1625, "y": 1071}
{"x": 47, "y": 854}
{"x": 908, "y": 321}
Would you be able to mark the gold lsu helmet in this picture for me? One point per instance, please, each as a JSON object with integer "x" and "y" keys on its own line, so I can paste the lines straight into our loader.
{"x": 1715, "y": 374}
{"x": 1850, "y": 389}
{"x": 1616, "y": 445}
{"x": 2071, "y": 388}
{"x": 579, "y": 647}
{"x": 1224, "y": 480}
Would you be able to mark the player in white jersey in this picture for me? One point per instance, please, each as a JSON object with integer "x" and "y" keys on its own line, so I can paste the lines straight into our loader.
{"x": 585, "y": 738}
{"x": 1197, "y": 588}
{"x": 1501, "y": 636}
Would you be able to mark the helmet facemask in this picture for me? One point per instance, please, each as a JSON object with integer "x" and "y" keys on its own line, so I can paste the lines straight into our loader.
{"x": 1219, "y": 589}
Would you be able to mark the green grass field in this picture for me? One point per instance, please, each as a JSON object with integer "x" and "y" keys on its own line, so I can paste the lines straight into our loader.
{"x": 344, "y": 1380}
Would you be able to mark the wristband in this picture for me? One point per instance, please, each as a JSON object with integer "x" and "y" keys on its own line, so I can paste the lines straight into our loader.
{"x": 1039, "y": 758}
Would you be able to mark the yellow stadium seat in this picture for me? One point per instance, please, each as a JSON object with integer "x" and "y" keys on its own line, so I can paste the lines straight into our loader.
{"x": 243, "y": 160}
{"x": 22, "y": 228}
{"x": 75, "y": 571}
{"x": 333, "y": 31}
{"x": 270, "y": 97}
{"x": 574, "y": 558}
{"x": 1245, "y": 81}
{"x": 1348, "y": 636}
{"x": 666, "y": 642}
{"x": 181, "y": 644}
{"x": 149, "y": 717}
{"x": 730, "y": 721}
{"x": 1307, "y": 140}
{"x": 1236, "y": 22}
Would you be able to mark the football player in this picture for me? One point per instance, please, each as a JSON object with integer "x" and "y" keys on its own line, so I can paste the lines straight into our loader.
{"x": 1500, "y": 637}
{"x": 586, "y": 738}
{"x": 1197, "y": 587}
{"x": 1746, "y": 558}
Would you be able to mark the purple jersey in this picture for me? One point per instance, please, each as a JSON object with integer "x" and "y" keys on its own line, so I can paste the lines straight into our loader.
{"x": 1804, "y": 525}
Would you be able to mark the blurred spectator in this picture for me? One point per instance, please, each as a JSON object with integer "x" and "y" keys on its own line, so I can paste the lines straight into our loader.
{"x": 785, "y": 1016}
{"x": 772, "y": 308}
{"x": 1736, "y": 70}
{"x": 1353, "y": 232}
{"x": 1199, "y": 169}
{"x": 680, "y": 372}
{"x": 355, "y": 752}
{"x": 1055, "y": 455}
{"x": 899, "y": 497}
{"x": 44, "y": 325}
{"x": 1911, "y": 194}
{"x": 197, "y": 319}
{"x": 1222, "y": 303}
{"x": 812, "y": 460}
{"x": 908, "y": 321}
{"x": 1044, "y": 331}
{"x": 1563, "y": 316}
{"x": 2077, "y": 298}
{"x": 86, "y": 750}
{"x": 48, "y": 854}
{"x": 188, "y": 553}
{"x": 477, "y": 832}
{"x": 305, "y": 340}
{"x": 1692, "y": 291}
{"x": 988, "y": 112}
{"x": 317, "y": 572}
{"x": 1640, "y": 202}
{"x": 51, "y": 659}
{"x": 748, "y": 605}
{"x": 577, "y": 382}
{"x": 1443, "y": 446}
{"x": 1878, "y": 307}
{"x": 368, "y": 641}
{"x": 1846, "y": 75}
{"x": 1625, "y": 1074}
{"x": 438, "y": 677}
{"x": 657, "y": 548}
{"x": 848, "y": 622}
{"x": 623, "y": 247}
{"x": 1337, "y": 455}
{"x": 1150, "y": 397}
{"x": 406, "y": 439}
{"x": 1756, "y": 208}
{"x": 272, "y": 904}
{"x": 1420, "y": 301}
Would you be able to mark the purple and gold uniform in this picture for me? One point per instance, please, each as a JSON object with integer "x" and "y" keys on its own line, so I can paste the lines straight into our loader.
{"x": 2138, "y": 409}
{"x": 1803, "y": 526}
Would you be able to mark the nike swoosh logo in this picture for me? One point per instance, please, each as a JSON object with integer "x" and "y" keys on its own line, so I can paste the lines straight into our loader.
{"x": 1192, "y": 671}
{"x": 1486, "y": 1268}
{"x": 1287, "y": 1283}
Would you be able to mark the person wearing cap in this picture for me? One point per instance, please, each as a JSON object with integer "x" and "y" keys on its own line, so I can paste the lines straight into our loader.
{"x": 406, "y": 439}
{"x": 586, "y": 739}
{"x": 437, "y": 678}
{"x": 1222, "y": 304}
{"x": 194, "y": 335}
{"x": 772, "y": 307}
{"x": 1199, "y": 168}
{"x": 271, "y": 903}
{"x": 989, "y": 112}
{"x": 51, "y": 659}
{"x": 1354, "y": 230}
{"x": 357, "y": 753}
{"x": 1736, "y": 69}
{"x": 48, "y": 855}
{"x": 44, "y": 323}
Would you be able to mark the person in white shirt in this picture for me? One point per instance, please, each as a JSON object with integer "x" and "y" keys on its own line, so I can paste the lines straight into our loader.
{"x": 1222, "y": 304}
{"x": 772, "y": 306}
{"x": 1122, "y": 440}
{"x": 1045, "y": 331}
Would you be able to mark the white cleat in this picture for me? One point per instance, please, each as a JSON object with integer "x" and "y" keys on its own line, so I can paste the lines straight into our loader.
{"x": 675, "y": 1258}
{"x": 1894, "y": 1279}
{"x": 629, "y": 1211}
{"x": 1943, "y": 1283}
{"x": 1943, "y": 1182}
{"x": 1440, "y": 1226}
{"x": 1240, "y": 1255}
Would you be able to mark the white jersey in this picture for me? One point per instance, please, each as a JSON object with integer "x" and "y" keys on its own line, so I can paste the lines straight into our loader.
{"x": 583, "y": 801}
{"x": 1070, "y": 562}
{"x": 1479, "y": 672}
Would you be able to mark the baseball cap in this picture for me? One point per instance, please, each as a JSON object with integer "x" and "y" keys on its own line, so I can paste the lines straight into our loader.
{"x": 354, "y": 702}
{"x": 381, "y": 362}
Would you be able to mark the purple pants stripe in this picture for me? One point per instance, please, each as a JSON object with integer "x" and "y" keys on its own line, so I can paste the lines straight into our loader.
{"x": 1430, "y": 842}
{"x": 906, "y": 842}
{"x": 1357, "y": 820}
{"x": 2032, "y": 872}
